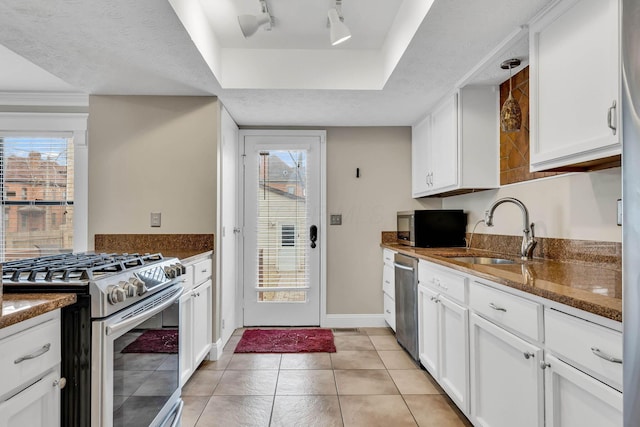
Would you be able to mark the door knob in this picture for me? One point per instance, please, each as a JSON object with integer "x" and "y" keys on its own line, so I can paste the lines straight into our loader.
{"x": 313, "y": 235}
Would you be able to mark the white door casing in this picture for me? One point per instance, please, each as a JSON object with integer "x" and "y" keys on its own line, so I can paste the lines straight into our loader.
{"x": 282, "y": 200}
{"x": 228, "y": 256}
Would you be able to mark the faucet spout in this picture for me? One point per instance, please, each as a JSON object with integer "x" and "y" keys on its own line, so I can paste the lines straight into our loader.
{"x": 528, "y": 241}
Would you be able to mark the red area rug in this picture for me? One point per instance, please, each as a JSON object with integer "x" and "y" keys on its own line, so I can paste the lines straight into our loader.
{"x": 286, "y": 341}
{"x": 155, "y": 341}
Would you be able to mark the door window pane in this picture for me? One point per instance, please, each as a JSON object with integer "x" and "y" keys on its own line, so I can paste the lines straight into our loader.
{"x": 282, "y": 213}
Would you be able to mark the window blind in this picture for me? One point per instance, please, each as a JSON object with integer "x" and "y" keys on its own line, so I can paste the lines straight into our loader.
{"x": 36, "y": 182}
{"x": 283, "y": 270}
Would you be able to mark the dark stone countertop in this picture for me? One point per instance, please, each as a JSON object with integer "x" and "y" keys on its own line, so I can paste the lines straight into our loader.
{"x": 17, "y": 308}
{"x": 592, "y": 287}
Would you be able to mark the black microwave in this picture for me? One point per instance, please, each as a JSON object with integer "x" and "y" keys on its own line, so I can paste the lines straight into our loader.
{"x": 432, "y": 228}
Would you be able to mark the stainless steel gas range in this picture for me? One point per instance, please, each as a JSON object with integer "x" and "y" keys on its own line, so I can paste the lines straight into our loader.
{"x": 119, "y": 358}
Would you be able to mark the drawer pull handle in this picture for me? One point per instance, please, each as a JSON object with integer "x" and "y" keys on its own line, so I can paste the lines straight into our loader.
{"x": 33, "y": 355}
{"x": 528, "y": 355}
{"x": 610, "y": 122}
{"x": 203, "y": 271}
{"x": 605, "y": 356}
{"x": 495, "y": 307}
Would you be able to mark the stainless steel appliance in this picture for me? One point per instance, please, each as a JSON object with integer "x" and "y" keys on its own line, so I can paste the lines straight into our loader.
{"x": 119, "y": 297}
{"x": 432, "y": 228}
{"x": 631, "y": 209}
{"x": 406, "y": 272}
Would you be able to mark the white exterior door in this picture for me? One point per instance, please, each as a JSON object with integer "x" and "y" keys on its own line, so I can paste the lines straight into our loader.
{"x": 282, "y": 206}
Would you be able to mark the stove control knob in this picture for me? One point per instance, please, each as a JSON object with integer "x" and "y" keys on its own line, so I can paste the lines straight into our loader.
{"x": 170, "y": 272}
{"x": 140, "y": 286}
{"x": 178, "y": 268}
{"x": 183, "y": 269}
{"x": 129, "y": 288}
{"x": 115, "y": 294}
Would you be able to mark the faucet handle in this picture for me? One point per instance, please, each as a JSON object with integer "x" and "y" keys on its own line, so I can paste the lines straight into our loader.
{"x": 531, "y": 228}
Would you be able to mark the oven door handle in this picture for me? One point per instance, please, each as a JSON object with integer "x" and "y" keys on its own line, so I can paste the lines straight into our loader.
{"x": 125, "y": 324}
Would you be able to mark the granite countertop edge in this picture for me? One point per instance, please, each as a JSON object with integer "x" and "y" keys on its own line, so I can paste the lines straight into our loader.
{"x": 601, "y": 305}
{"x": 37, "y": 304}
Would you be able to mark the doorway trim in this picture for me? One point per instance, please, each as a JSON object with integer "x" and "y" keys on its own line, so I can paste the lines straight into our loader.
{"x": 322, "y": 134}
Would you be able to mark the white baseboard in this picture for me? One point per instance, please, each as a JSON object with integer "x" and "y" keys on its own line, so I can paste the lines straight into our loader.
{"x": 353, "y": 321}
{"x": 216, "y": 350}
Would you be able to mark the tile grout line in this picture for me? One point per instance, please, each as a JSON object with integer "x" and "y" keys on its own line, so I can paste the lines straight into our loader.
{"x": 275, "y": 390}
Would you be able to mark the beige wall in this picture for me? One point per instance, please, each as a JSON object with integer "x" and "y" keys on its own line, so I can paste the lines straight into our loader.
{"x": 152, "y": 154}
{"x": 578, "y": 206}
{"x": 368, "y": 206}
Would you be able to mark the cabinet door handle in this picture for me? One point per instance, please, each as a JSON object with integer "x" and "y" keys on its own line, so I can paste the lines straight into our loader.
{"x": 387, "y": 282}
{"x": 387, "y": 311}
{"x": 544, "y": 365}
{"x": 605, "y": 356}
{"x": 61, "y": 383}
{"x": 528, "y": 355}
{"x": 495, "y": 307}
{"x": 33, "y": 355}
{"x": 610, "y": 117}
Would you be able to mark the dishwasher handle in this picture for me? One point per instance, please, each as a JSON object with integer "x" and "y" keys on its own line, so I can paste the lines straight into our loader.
{"x": 403, "y": 267}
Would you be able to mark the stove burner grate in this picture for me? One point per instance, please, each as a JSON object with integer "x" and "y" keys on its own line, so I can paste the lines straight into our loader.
{"x": 73, "y": 267}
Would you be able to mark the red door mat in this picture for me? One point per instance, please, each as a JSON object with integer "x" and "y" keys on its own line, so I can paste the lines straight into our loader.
{"x": 286, "y": 341}
{"x": 155, "y": 341}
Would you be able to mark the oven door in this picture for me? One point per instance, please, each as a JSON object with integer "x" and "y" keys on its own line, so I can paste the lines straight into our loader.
{"x": 135, "y": 370}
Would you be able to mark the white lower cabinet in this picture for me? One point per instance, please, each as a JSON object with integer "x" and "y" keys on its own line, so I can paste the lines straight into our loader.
{"x": 389, "y": 288}
{"x": 196, "y": 311}
{"x": 428, "y": 329}
{"x": 443, "y": 343}
{"x": 186, "y": 338}
{"x": 36, "y": 406}
{"x": 508, "y": 360}
{"x": 30, "y": 366}
{"x": 574, "y": 399}
{"x": 202, "y": 308}
{"x": 506, "y": 379}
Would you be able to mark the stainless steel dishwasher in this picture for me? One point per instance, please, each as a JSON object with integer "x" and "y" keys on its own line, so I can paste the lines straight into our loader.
{"x": 406, "y": 271}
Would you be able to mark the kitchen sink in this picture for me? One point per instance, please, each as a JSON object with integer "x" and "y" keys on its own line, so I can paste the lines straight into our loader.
{"x": 482, "y": 260}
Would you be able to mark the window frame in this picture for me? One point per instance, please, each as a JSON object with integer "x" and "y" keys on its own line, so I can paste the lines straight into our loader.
{"x": 73, "y": 125}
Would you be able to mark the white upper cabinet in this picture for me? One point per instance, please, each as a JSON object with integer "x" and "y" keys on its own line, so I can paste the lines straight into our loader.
{"x": 455, "y": 148}
{"x": 575, "y": 85}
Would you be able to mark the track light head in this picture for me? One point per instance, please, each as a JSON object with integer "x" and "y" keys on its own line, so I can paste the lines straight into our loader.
{"x": 338, "y": 31}
{"x": 249, "y": 24}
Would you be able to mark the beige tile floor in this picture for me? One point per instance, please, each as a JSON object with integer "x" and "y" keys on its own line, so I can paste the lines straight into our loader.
{"x": 370, "y": 381}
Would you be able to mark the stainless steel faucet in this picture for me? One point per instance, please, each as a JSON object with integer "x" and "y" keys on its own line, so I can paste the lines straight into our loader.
{"x": 528, "y": 241}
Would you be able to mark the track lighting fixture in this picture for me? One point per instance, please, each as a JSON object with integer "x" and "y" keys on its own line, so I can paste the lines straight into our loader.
{"x": 338, "y": 31}
{"x": 249, "y": 24}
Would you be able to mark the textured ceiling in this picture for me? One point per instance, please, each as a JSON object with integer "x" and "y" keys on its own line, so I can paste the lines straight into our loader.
{"x": 140, "y": 47}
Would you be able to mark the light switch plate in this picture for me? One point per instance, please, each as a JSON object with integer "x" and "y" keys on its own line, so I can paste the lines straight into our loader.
{"x": 335, "y": 219}
{"x": 156, "y": 219}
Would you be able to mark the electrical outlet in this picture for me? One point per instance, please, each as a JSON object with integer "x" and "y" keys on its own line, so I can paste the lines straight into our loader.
{"x": 335, "y": 219}
{"x": 156, "y": 219}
